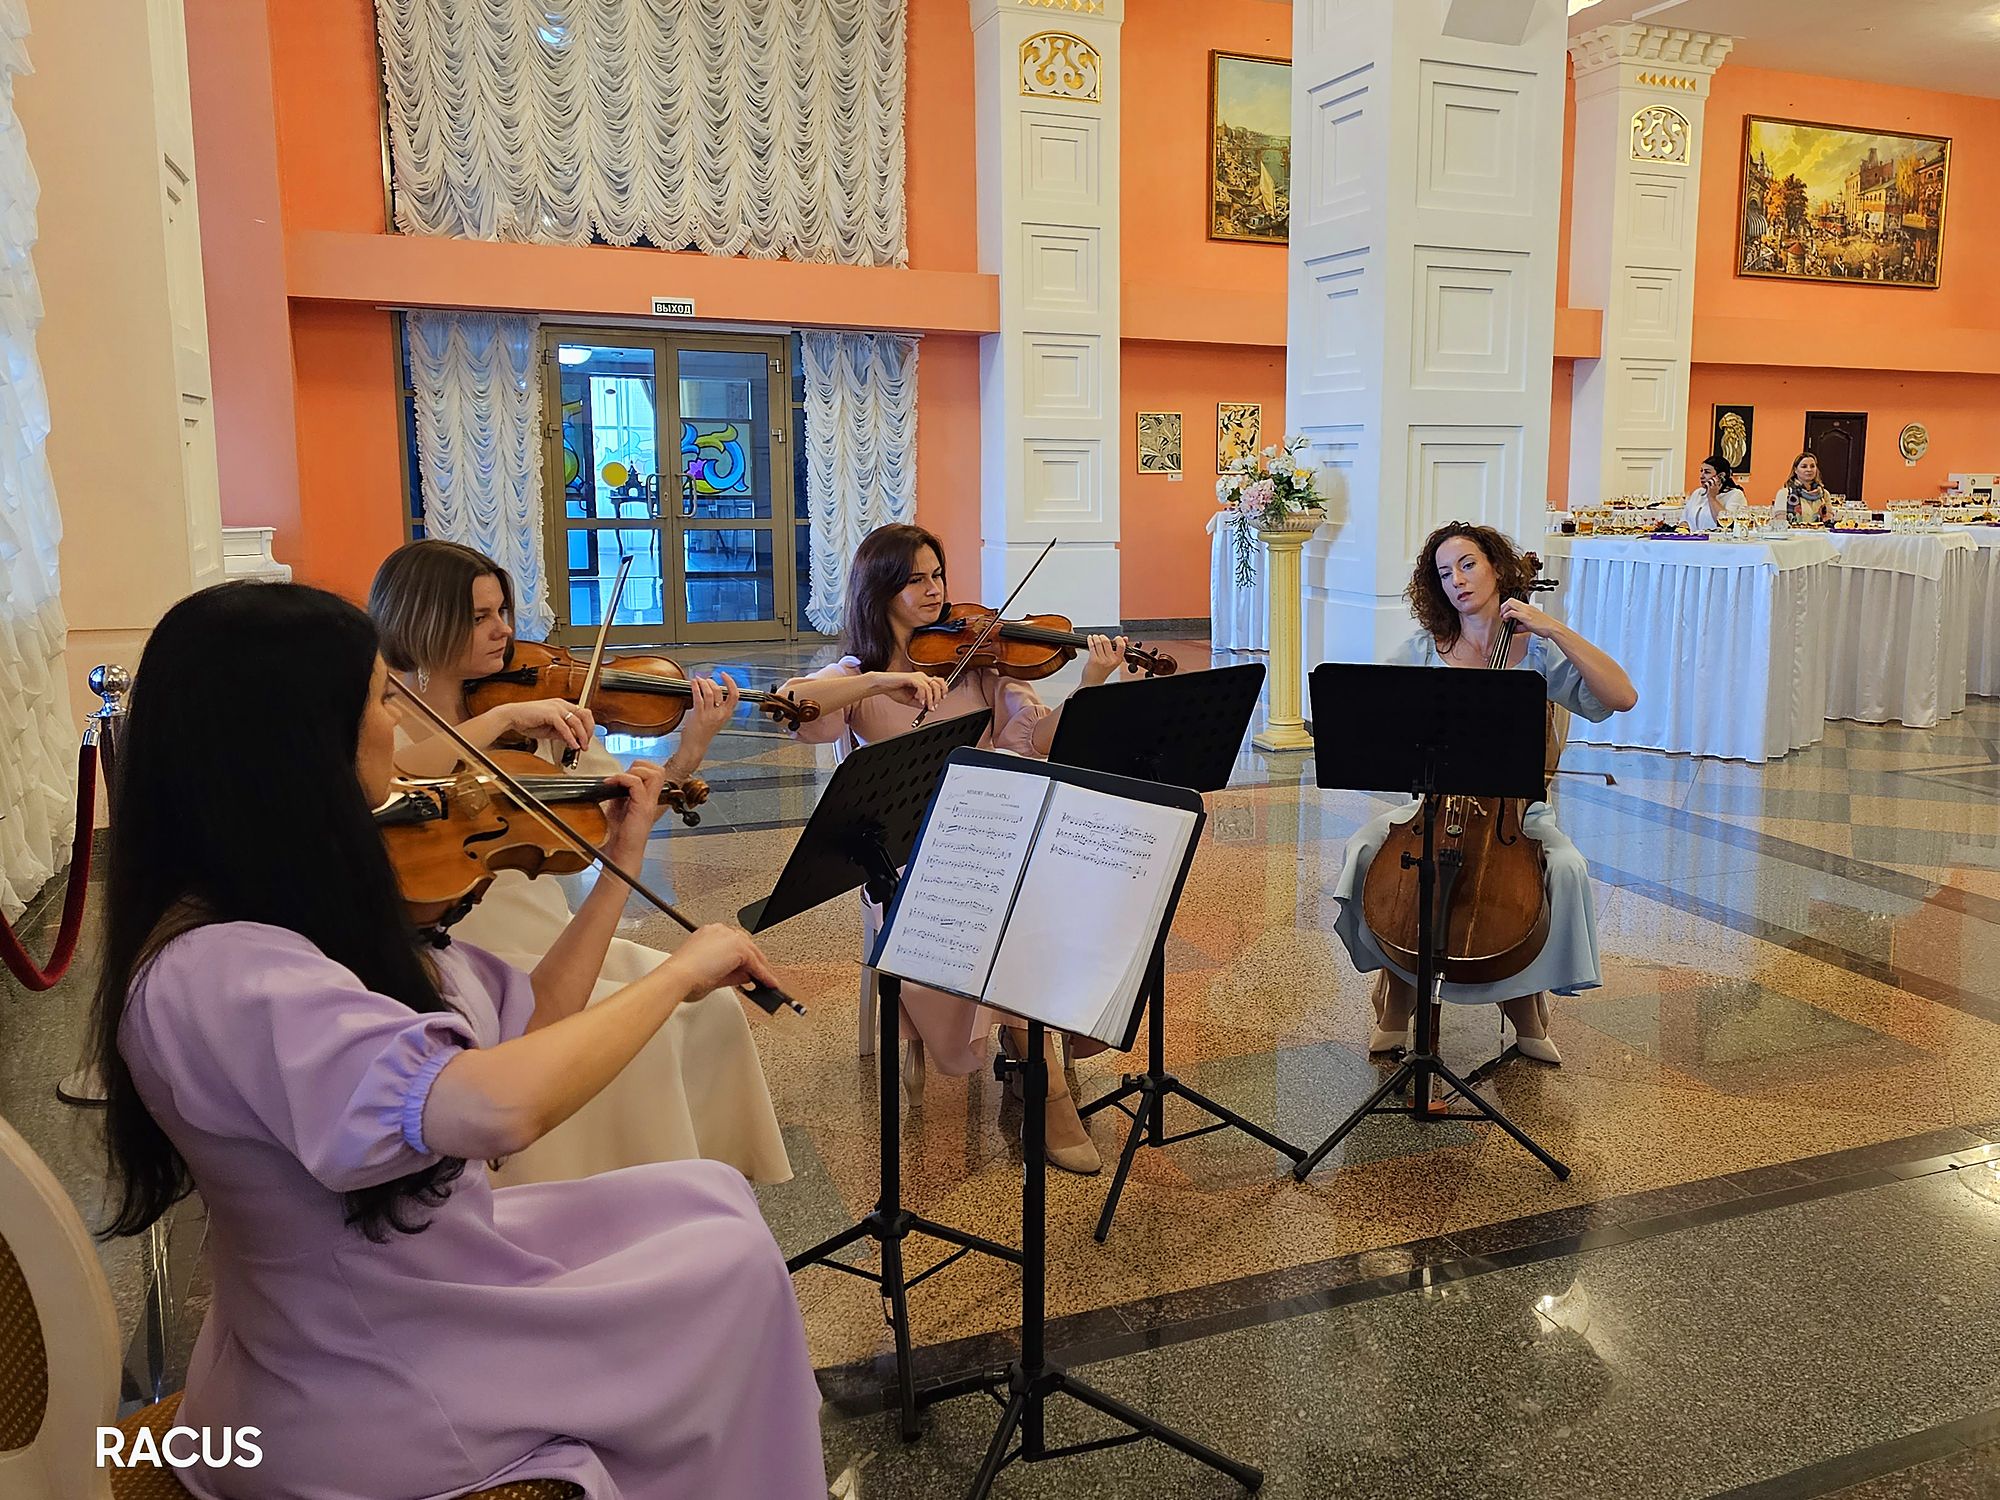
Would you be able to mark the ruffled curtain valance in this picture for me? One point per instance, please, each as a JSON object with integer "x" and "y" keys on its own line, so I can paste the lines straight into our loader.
{"x": 769, "y": 128}
{"x": 479, "y": 445}
{"x": 37, "y": 736}
{"x": 861, "y": 451}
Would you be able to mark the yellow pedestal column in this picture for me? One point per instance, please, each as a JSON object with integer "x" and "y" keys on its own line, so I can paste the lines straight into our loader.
{"x": 1284, "y": 727}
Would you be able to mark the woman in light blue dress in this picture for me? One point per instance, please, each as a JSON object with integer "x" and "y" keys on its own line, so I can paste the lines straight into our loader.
{"x": 1468, "y": 581}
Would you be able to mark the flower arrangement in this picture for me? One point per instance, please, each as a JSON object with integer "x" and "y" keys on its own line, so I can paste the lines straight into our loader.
{"x": 1266, "y": 489}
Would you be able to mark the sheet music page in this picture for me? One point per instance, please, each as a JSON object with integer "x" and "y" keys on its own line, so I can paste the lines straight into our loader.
{"x": 1097, "y": 884}
{"x": 955, "y": 897}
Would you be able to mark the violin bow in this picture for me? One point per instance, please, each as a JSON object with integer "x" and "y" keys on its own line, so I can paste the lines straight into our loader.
{"x": 999, "y": 616}
{"x": 597, "y": 651}
{"x": 768, "y": 997}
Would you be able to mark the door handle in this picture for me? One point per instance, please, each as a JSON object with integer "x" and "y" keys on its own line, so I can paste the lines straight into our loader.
{"x": 687, "y": 494}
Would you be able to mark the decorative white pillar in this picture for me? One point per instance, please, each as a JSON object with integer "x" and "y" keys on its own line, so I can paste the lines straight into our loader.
{"x": 1640, "y": 95}
{"x": 1046, "y": 82}
{"x": 1426, "y": 200}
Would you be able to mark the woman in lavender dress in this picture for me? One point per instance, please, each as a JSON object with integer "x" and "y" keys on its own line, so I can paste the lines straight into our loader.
{"x": 272, "y": 1037}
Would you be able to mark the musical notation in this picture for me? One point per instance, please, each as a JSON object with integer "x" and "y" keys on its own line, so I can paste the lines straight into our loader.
{"x": 1105, "y": 843}
{"x": 953, "y": 909}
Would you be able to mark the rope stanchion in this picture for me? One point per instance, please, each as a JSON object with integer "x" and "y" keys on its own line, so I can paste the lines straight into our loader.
{"x": 110, "y": 683}
{"x": 46, "y": 976}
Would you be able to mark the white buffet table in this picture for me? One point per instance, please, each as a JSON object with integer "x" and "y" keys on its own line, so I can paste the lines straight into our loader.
{"x": 1983, "y": 629}
{"x": 1897, "y": 637}
{"x": 1236, "y": 618}
{"x": 1725, "y": 640}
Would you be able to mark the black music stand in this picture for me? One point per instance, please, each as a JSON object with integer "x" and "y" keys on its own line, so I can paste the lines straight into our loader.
{"x": 1024, "y": 1386}
{"x": 1433, "y": 733}
{"x": 861, "y": 833}
{"x": 1183, "y": 730}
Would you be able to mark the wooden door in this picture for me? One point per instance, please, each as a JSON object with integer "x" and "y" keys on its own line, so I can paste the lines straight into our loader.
{"x": 1839, "y": 439}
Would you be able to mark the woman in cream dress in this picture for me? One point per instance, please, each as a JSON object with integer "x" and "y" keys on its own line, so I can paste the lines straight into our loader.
{"x": 697, "y": 1089}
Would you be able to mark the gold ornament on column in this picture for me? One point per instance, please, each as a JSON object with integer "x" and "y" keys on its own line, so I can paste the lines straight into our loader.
{"x": 1056, "y": 65}
{"x": 1660, "y": 134}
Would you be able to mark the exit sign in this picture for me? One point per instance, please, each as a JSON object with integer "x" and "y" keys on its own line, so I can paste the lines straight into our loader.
{"x": 673, "y": 307}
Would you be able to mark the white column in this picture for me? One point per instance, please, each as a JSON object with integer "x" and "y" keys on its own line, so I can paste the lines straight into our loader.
{"x": 1046, "y": 76}
{"x": 124, "y": 342}
{"x": 1640, "y": 95}
{"x": 1426, "y": 200}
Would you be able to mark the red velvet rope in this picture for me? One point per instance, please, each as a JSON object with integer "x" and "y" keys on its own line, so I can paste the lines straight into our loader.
{"x": 24, "y": 968}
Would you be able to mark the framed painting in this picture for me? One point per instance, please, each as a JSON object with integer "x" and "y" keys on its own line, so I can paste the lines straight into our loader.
{"x": 1238, "y": 425}
{"x": 1249, "y": 148}
{"x": 1830, "y": 203}
{"x": 1159, "y": 442}
{"x": 1731, "y": 430}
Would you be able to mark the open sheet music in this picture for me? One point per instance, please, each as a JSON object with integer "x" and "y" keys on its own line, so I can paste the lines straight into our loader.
{"x": 1037, "y": 896}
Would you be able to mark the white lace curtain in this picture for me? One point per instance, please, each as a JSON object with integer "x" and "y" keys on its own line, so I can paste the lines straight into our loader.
{"x": 770, "y": 128}
{"x": 861, "y": 451}
{"x": 37, "y": 736}
{"x": 479, "y": 444}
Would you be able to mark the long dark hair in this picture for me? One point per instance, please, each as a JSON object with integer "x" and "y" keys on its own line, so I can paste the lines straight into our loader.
{"x": 237, "y": 801}
{"x": 421, "y": 600}
{"x": 1428, "y": 601}
{"x": 881, "y": 567}
{"x": 1792, "y": 474}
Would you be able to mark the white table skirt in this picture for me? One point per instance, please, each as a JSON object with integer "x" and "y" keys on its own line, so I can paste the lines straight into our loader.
{"x": 1983, "y": 628}
{"x": 1236, "y": 618}
{"x": 1720, "y": 638}
{"x": 1898, "y": 637}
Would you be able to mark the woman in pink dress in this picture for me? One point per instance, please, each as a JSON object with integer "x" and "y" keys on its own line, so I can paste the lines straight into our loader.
{"x": 272, "y": 1036}
{"x": 897, "y": 583}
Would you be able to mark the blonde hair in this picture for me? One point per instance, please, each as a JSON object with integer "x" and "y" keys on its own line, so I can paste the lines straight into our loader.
{"x": 422, "y": 602}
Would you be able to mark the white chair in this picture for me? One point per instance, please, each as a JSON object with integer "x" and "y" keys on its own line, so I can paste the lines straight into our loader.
{"x": 59, "y": 1358}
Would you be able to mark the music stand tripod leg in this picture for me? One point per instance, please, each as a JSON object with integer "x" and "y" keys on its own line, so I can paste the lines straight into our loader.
{"x": 1030, "y": 1380}
{"x": 1154, "y": 1087}
{"x": 890, "y": 1224}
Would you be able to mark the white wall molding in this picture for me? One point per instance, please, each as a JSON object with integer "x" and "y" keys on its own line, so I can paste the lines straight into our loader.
{"x": 1046, "y": 74}
{"x": 1421, "y": 286}
{"x": 1641, "y": 93}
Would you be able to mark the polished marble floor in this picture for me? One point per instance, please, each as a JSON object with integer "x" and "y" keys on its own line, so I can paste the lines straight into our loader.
{"x": 1772, "y": 1270}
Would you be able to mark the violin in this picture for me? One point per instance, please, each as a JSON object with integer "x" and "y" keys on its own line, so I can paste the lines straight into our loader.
{"x": 634, "y": 695}
{"x": 1492, "y": 882}
{"x": 1028, "y": 649}
{"x": 447, "y": 838}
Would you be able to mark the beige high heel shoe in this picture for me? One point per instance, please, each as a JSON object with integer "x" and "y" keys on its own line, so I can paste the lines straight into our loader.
{"x": 1380, "y": 1040}
{"x": 1541, "y": 1048}
{"x": 913, "y": 1070}
{"x": 1065, "y": 1142}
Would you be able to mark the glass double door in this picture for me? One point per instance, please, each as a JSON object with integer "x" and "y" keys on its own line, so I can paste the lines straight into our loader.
{"x": 675, "y": 452}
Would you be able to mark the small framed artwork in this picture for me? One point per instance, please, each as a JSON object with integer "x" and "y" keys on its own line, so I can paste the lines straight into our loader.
{"x": 1238, "y": 426}
{"x": 1831, "y": 203}
{"x": 1730, "y": 435}
{"x": 1159, "y": 442}
{"x": 1249, "y": 148}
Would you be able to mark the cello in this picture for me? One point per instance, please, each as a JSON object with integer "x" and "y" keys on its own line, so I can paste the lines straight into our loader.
{"x": 1492, "y": 884}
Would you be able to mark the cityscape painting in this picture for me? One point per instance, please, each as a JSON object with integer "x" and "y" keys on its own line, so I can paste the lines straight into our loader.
{"x": 1825, "y": 203}
{"x": 1250, "y": 148}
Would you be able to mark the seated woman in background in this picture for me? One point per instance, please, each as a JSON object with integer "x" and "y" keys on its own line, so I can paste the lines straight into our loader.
{"x": 1802, "y": 497}
{"x": 446, "y": 614}
{"x": 272, "y": 1035}
{"x": 896, "y": 584}
{"x": 1705, "y": 507}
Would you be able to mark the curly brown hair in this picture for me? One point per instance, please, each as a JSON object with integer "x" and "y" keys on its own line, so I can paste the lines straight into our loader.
{"x": 1426, "y": 593}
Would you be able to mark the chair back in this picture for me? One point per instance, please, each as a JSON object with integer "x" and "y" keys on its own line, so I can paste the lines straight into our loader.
{"x": 1556, "y": 736}
{"x": 59, "y": 1356}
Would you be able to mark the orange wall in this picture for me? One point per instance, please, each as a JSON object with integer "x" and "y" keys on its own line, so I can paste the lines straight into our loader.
{"x": 948, "y": 449}
{"x": 1163, "y": 557}
{"x": 243, "y": 253}
{"x": 1163, "y": 181}
{"x": 350, "y": 454}
{"x": 1799, "y": 328}
{"x": 1961, "y": 412}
